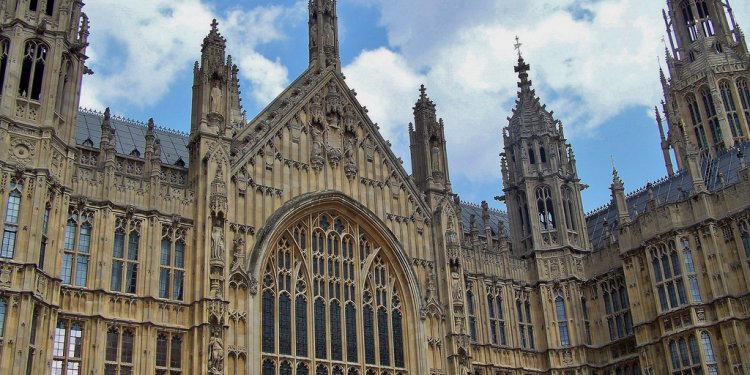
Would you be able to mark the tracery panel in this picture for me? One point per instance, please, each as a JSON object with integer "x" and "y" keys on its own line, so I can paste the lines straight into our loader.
{"x": 317, "y": 305}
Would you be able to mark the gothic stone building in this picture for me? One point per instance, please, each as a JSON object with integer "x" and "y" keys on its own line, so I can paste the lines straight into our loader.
{"x": 296, "y": 243}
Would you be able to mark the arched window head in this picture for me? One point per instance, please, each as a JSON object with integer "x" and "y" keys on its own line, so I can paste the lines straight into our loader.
{"x": 532, "y": 156}
{"x": 12, "y": 212}
{"x": 545, "y": 209}
{"x": 32, "y": 70}
{"x": 542, "y": 155}
{"x": 688, "y": 19}
{"x": 4, "y": 50}
{"x": 325, "y": 275}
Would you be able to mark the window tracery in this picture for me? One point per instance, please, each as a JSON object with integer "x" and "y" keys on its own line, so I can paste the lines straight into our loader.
{"x": 77, "y": 247}
{"x": 326, "y": 285}
{"x": 731, "y": 109}
{"x": 125, "y": 258}
{"x": 32, "y": 71}
{"x": 545, "y": 208}
{"x": 172, "y": 263}
{"x": 12, "y": 211}
{"x": 744, "y": 92}
{"x": 713, "y": 119}
{"x": 562, "y": 321}
{"x": 670, "y": 288}
{"x": 697, "y": 120}
{"x": 497, "y": 319}
{"x": 617, "y": 309}
{"x": 685, "y": 355}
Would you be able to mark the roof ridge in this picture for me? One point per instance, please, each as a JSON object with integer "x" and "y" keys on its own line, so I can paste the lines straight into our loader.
{"x": 131, "y": 121}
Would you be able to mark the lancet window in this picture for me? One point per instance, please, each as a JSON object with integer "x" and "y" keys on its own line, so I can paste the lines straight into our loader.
{"x": 32, "y": 70}
{"x": 697, "y": 120}
{"x": 708, "y": 353}
{"x": 497, "y": 319}
{"x": 713, "y": 119}
{"x": 687, "y": 254}
{"x": 525, "y": 326}
{"x": 125, "y": 255}
{"x": 744, "y": 92}
{"x": 172, "y": 263}
{"x": 120, "y": 350}
{"x": 569, "y": 208}
{"x": 562, "y": 321}
{"x": 586, "y": 321}
{"x": 617, "y": 309}
{"x": 546, "y": 211}
{"x": 689, "y": 20}
{"x": 731, "y": 109}
{"x": 12, "y": 211}
{"x": 77, "y": 247}
{"x": 471, "y": 309}
{"x": 67, "y": 350}
{"x": 331, "y": 302}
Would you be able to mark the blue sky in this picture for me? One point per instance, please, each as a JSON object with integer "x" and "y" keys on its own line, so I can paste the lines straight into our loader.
{"x": 594, "y": 62}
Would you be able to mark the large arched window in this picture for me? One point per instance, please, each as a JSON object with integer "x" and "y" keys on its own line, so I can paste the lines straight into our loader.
{"x": 731, "y": 109}
{"x": 708, "y": 353}
{"x": 713, "y": 119}
{"x": 545, "y": 208}
{"x": 744, "y": 92}
{"x": 32, "y": 71}
{"x": 328, "y": 286}
{"x": 569, "y": 208}
{"x": 668, "y": 277}
{"x": 697, "y": 120}
{"x": 689, "y": 20}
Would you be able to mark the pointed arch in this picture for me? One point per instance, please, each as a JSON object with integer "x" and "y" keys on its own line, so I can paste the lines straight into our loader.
{"x": 356, "y": 281}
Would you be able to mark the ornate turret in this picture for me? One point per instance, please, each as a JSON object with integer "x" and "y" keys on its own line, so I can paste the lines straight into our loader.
{"x": 539, "y": 177}
{"x": 216, "y": 88}
{"x": 324, "y": 31}
{"x": 428, "y": 148}
{"x": 708, "y": 87}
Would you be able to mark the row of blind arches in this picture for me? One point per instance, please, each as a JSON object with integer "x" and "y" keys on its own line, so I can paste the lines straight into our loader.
{"x": 356, "y": 308}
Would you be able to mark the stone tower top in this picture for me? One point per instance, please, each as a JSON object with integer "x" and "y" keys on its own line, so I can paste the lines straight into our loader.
{"x": 324, "y": 38}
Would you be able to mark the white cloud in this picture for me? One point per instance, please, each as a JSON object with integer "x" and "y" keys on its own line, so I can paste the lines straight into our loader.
{"x": 591, "y": 60}
{"x": 150, "y": 44}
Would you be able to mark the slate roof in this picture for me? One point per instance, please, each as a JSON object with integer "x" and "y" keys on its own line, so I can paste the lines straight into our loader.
{"x": 131, "y": 135}
{"x": 468, "y": 209}
{"x": 718, "y": 174}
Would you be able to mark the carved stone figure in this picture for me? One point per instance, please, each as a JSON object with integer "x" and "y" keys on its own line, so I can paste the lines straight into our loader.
{"x": 215, "y": 355}
{"x": 217, "y": 243}
{"x": 329, "y": 35}
{"x": 215, "y": 100}
{"x": 314, "y": 36}
{"x": 316, "y": 154}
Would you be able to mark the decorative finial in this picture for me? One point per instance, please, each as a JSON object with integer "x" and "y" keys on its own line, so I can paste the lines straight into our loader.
{"x": 107, "y": 114}
{"x": 422, "y": 92}
{"x": 151, "y": 124}
{"x": 215, "y": 26}
{"x": 517, "y": 47}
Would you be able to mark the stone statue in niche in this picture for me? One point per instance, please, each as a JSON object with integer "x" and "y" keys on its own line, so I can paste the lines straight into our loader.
{"x": 314, "y": 36}
{"x": 436, "y": 158}
{"x": 330, "y": 35}
{"x": 217, "y": 242}
{"x": 215, "y": 99}
{"x": 215, "y": 354}
{"x": 316, "y": 154}
{"x": 350, "y": 167}
{"x": 456, "y": 283}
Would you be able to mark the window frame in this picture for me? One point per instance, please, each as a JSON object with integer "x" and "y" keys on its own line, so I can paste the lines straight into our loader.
{"x": 31, "y": 80}
{"x": 62, "y": 356}
{"x": 170, "y": 366}
{"x": 77, "y": 250}
{"x": 125, "y": 265}
{"x": 11, "y": 219}
{"x": 175, "y": 239}
{"x": 119, "y": 365}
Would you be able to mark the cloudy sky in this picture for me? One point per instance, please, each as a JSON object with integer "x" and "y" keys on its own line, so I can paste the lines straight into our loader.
{"x": 594, "y": 62}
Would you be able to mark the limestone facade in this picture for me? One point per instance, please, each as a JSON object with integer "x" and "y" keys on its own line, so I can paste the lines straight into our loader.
{"x": 296, "y": 243}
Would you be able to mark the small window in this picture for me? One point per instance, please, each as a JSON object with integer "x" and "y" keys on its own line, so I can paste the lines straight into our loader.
{"x": 532, "y": 156}
{"x": 135, "y": 153}
{"x": 12, "y": 211}
{"x": 542, "y": 155}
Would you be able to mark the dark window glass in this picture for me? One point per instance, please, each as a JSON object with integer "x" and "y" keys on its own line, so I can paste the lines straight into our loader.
{"x": 336, "y": 349}
{"x": 269, "y": 340}
{"x": 320, "y": 329}
{"x": 383, "y": 338}
{"x": 369, "y": 335}
{"x": 301, "y": 325}
{"x": 285, "y": 325}
{"x": 398, "y": 339}
{"x": 351, "y": 333}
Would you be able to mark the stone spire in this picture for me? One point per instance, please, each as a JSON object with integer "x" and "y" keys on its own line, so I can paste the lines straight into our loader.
{"x": 428, "y": 147}
{"x": 618, "y": 197}
{"x": 324, "y": 34}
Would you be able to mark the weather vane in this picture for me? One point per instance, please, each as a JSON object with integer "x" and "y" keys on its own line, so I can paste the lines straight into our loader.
{"x": 517, "y": 46}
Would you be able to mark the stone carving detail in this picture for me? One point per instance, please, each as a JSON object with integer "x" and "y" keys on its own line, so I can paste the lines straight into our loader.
{"x": 217, "y": 244}
{"x": 216, "y": 351}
